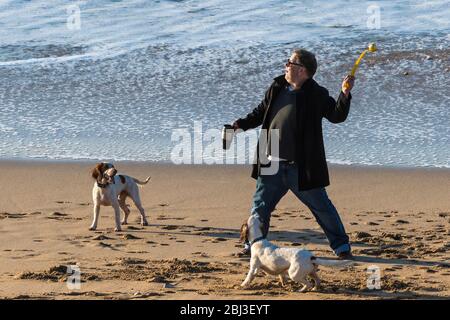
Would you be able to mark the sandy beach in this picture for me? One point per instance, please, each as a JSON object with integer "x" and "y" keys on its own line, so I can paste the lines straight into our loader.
{"x": 398, "y": 220}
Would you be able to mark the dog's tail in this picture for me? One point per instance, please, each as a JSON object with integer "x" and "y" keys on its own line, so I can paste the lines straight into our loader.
{"x": 330, "y": 263}
{"x": 142, "y": 182}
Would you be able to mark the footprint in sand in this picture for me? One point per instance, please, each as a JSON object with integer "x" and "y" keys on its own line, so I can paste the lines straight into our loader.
{"x": 57, "y": 215}
{"x": 362, "y": 235}
{"x": 131, "y": 261}
{"x": 389, "y": 269}
{"x": 128, "y": 236}
{"x": 203, "y": 229}
{"x": 444, "y": 214}
{"x": 394, "y": 236}
{"x": 201, "y": 254}
{"x": 105, "y": 245}
{"x": 101, "y": 237}
{"x": 170, "y": 227}
{"x": 133, "y": 228}
{"x": 221, "y": 239}
{"x": 361, "y": 214}
{"x": 440, "y": 229}
{"x": 7, "y": 215}
{"x": 158, "y": 279}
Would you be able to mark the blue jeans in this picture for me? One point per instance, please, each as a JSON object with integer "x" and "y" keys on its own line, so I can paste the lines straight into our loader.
{"x": 271, "y": 188}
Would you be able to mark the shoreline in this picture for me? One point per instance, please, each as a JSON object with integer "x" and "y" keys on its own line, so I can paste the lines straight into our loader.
{"x": 29, "y": 161}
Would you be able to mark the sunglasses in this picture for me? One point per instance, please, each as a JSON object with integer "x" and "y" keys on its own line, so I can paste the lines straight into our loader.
{"x": 289, "y": 63}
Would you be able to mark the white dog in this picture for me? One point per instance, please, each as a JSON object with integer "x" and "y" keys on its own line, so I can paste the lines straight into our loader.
{"x": 112, "y": 190}
{"x": 296, "y": 264}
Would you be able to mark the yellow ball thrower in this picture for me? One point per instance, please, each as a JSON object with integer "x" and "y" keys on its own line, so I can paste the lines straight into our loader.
{"x": 372, "y": 48}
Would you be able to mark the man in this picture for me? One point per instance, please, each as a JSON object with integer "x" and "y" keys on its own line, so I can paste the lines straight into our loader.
{"x": 294, "y": 105}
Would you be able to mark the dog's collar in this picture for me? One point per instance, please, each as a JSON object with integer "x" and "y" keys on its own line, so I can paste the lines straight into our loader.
{"x": 256, "y": 240}
{"x": 102, "y": 185}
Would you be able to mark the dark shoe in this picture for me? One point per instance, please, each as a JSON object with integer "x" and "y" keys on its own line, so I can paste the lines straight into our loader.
{"x": 244, "y": 253}
{"x": 346, "y": 255}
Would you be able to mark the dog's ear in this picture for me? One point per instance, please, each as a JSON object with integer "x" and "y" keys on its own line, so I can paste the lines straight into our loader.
{"x": 97, "y": 171}
{"x": 244, "y": 232}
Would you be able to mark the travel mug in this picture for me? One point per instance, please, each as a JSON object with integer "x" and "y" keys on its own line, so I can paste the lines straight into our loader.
{"x": 227, "y": 136}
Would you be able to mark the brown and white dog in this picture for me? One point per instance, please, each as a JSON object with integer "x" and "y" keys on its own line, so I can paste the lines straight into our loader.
{"x": 111, "y": 189}
{"x": 296, "y": 264}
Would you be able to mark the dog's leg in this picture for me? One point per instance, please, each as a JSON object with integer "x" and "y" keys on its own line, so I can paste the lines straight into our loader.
{"x": 116, "y": 207}
{"x": 251, "y": 273}
{"x": 126, "y": 211}
{"x": 124, "y": 207}
{"x": 316, "y": 279}
{"x": 250, "y": 276}
{"x": 297, "y": 273}
{"x": 137, "y": 202}
{"x": 283, "y": 278}
{"x": 307, "y": 285}
{"x": 96, "y": 215}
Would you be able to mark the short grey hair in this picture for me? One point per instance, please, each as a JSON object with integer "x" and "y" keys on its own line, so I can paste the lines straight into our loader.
{"x": 308, "y": 59}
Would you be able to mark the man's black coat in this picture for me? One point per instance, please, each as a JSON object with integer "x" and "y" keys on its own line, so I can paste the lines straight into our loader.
{"x": 315, "y": 104}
